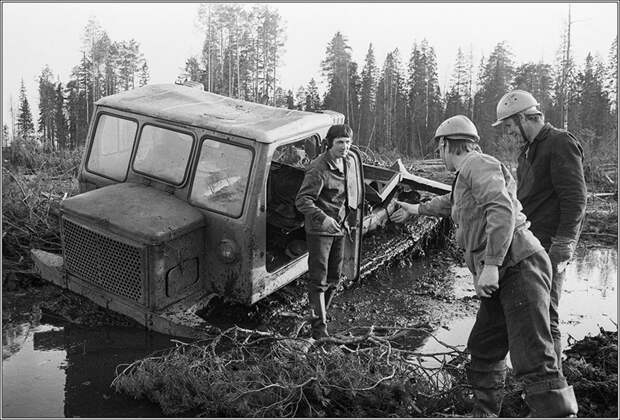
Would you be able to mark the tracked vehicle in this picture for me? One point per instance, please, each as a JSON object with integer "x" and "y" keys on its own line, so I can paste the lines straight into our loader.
{"x": 186, "y": 195}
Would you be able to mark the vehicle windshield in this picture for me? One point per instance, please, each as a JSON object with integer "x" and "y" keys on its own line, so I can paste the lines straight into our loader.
{"x": 221, "y": 177}
{"x": 111, "y": 149}
{"x": 163, "y": 154}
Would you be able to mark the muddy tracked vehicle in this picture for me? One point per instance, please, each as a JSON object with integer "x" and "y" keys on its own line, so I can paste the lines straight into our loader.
{"x": 186, "y": 195}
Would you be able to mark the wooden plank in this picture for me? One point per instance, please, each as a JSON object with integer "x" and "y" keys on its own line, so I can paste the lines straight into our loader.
{"x": 418, "y": 182}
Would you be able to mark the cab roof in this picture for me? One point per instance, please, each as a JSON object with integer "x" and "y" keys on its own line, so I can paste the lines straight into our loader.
{"x": 265, "y": 124}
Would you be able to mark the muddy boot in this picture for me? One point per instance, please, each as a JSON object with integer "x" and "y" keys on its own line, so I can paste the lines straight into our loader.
{"x": 318, "y": 315}
{"x": 557, "y": 347}
{"x": 488, "y": 389}
{"x": 329, "y": 296}
{"x": 547, "y": 403}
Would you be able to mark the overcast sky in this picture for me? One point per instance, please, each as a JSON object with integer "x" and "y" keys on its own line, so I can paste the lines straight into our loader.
{"x": 36, "y": 34}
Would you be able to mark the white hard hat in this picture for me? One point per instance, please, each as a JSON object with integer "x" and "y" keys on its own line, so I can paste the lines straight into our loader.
{"x": 458, "y": 127}
{"x": 514, "y": 102}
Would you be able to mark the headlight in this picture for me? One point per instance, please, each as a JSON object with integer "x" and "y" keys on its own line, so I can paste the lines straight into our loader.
{"x": 227, "y": 250}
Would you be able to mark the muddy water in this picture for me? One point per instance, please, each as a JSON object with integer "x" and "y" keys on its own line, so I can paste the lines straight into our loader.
{"x": 589, "y": 299}
{"x": 52, "y": 369}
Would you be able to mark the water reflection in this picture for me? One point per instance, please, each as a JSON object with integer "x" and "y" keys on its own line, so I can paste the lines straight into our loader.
{"x": 589, "y": 299}
{"x": 66, "y": 371}
{"x": 56, "y": 370}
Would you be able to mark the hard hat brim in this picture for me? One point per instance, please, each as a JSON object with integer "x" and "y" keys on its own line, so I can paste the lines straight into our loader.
{"x": 496, "y": 123}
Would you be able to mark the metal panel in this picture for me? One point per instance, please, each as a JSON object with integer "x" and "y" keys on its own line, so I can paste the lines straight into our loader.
{"x": 114, "y": 266}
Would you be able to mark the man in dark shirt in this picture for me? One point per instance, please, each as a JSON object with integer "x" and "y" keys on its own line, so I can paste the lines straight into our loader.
{"x": 551, "y": 187}
{"x": 322, "y": 199}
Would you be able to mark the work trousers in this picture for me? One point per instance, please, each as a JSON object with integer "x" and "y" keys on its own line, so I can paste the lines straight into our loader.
{"x": 325, "y": 256}
{"x": 557, "y": 283}
{"x": 516, "y": 319}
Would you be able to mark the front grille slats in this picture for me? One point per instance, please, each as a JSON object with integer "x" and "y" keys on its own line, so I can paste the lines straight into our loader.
{"x": 114, "y": 266}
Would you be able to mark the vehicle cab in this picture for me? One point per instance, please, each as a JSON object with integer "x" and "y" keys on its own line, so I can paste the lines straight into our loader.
{"x": 185, "y": 193}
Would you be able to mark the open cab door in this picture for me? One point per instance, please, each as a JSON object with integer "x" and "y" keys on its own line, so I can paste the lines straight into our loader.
{"x": 355, "y": 193}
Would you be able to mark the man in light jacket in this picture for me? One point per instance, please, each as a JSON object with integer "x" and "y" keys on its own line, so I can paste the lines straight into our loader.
{"x": 512, "y": 277}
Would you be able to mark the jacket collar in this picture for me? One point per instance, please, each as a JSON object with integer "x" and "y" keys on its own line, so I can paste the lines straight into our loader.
{"x": 542, "y": 134}
{"x": 467, "y": 158}
{"x": 331, "y": 164}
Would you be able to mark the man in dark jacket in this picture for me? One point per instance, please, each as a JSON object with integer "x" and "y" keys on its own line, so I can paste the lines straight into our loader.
{"x": 551, "y": 186}
{"x": 324, "y": 200}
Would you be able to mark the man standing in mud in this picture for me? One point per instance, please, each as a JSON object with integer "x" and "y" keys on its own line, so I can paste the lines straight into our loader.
{"x": 512, "y": 277}
{"x": 323, "y": 199}
{"x": 550, "y": 186}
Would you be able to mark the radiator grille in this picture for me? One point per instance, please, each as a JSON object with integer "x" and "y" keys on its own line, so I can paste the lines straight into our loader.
{"x": 112, "y": 265}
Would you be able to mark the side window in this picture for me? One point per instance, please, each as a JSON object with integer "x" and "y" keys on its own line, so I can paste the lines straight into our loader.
{"x": 163, "y": 154}
{"x": 111, "y": 148}
{"x": 221, "y": 177}
{"x": 297, "y": 154}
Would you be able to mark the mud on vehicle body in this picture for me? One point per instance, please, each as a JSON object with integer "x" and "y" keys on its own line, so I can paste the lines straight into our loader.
{"x": 186, "y": 194}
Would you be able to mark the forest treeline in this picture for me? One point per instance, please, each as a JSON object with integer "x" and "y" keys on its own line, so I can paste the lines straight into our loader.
{"x": 394, "y": 107}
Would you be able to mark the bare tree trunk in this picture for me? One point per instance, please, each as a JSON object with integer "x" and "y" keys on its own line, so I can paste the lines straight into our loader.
{"x": 12, "y": 112}
{"x": 566, "y": 87}
{"x": 237, "y": 57}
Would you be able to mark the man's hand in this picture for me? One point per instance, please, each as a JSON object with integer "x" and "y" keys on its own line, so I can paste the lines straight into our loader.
{"x": 404, "y": 211}
{"x": 330, "y": 225}
{"x": 488, "y": 282}
{"x": 560, "y": 252}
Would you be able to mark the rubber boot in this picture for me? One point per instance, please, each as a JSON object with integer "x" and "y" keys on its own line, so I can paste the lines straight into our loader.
{"x": 557, "y": 347}
{"x": 551, "y": 402}
{"x": 318, "y": 314}
{"x": 329, "y": 296}
{"x": 488, "y": 390}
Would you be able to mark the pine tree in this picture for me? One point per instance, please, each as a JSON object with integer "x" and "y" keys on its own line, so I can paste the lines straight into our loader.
{"x": 611, "y": 84}
{"x": 592, "y": 105}
{"x": 458, "y": 91}
{"x": 242, "y": 49}
{"x": 144, "y": 74}
{"x": 391, "y": 106}
{"x": 336, "y": 68}
{"x": 60, "y": 121}
{"x": 193, "y": 71}
{"x": 300, "y": 99}
{"x": 496, "y": 75}
{"x": 313, "y": 100}
{"x": 368, "y": 97}
{"x": 5, "y": 135}
{"x": 47, "y": 96}
{"x": 538, "y": 80}
{"x": 424, "y": 100}
{"x": 77, "y": 117}
{"x": 565, "y": 81}
{"x": 290, "y": 100}
{"x": 25, "y": 125}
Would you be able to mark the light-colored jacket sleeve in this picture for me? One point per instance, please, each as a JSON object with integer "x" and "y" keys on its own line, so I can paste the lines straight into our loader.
{"x": 438, "y": 206}
{"x": 488, "y": 187}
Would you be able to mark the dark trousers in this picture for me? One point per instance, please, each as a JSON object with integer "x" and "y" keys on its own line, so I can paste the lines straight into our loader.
{"x": 325, "y": 256}
{"x": 516, "y": 319}
{"x": 557, "y": 282}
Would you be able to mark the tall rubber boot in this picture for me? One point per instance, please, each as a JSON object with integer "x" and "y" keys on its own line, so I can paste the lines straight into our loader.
{"x": 318, "y": 314}
{"x": 551, "y": 402}
{"x": 557, "y": 347}
{"x": 488, "y": 390}
{"x": 329, "y": 296}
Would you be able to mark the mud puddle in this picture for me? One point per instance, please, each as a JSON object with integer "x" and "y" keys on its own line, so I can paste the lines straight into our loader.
{"x": 55, "y": 369}
{"x": 589, "y": 300}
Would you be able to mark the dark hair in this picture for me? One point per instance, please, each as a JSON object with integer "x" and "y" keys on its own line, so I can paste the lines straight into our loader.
{"x": 336, "y": 131}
